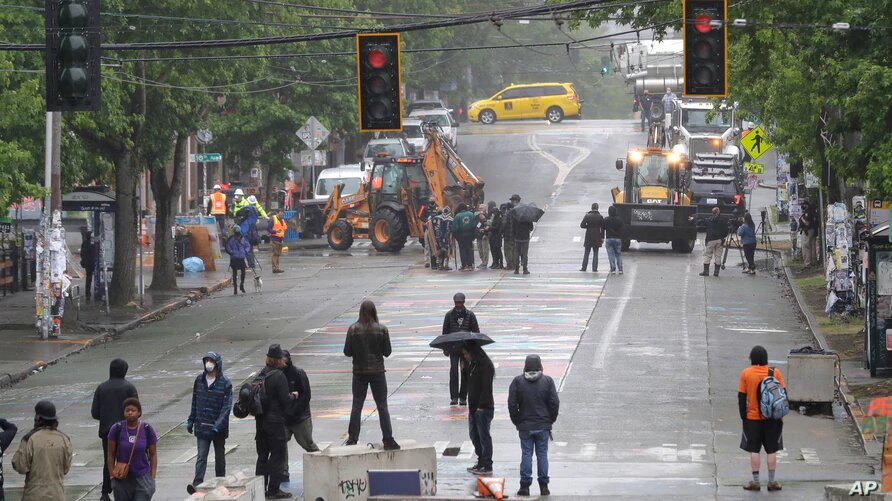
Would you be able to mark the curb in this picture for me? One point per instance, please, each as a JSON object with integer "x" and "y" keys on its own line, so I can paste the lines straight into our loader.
{"x": 867, "y": 440}
{"x": 109, "y": 334}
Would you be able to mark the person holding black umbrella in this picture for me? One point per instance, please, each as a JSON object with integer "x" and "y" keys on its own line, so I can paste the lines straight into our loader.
{"x": 458, "y": 319}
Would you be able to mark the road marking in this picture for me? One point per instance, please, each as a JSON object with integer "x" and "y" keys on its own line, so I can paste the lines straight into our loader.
{"x": 441, "y": 446}
{"x": 577, "y": 239}
{"x": 744, "y": 329}
{"x": 810, "y": 456}
{"x": 467, "y": 448}
{"x": 612, "y": 327}
{"x": 564, "y": 168}
{"x": 534, "y": 239}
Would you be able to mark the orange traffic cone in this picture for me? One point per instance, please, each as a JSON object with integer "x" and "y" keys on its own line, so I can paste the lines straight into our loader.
{"x": 488, "y": 486}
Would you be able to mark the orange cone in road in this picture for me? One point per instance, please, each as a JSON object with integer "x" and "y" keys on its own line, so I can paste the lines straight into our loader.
{"x": 488, "y": 486}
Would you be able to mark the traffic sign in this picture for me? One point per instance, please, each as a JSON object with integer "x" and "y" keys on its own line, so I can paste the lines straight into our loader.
{"x": 204, "y": 136}
{"x": 755, "y": 142}
{"x": 753, "y": 168}
{"x": 313, "y": 133}
{"x": 208, "y": 157}
{"x": 752, "y": 181}
{"x": 309, "y": 158}
{"x": 5, "y": 225}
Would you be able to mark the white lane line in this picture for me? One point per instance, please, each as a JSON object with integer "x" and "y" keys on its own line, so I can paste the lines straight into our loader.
{"x": 564, "y": 168}
{"x": 577, "y": 239}
{"x": 534, "y": 239}
{"x": 612, "y": 327}
{"x": 439, "y": 447}
{"x": 772, "y": 331}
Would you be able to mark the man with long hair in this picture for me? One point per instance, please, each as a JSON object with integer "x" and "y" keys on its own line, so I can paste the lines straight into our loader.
{"x": 368, "y": 343}
{"x": 44, "y": 456}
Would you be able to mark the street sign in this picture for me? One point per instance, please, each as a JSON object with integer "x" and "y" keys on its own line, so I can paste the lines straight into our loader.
{"x": 755, "y": 142}
{"x": 204, "y": 136}
{"x": 810, "y": 180}
{"x": 309, "y": 158}
{"x": 5, "y": 225}
{"x": 752, "y": 181}
{"x": 754, "y": 168}
{"x": 208, "y": 157}
{"x": 313, "y": 133}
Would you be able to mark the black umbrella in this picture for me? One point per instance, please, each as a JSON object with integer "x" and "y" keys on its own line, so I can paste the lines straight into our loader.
{"x": 455, "y": 339}
{"x": 527, "y": 213}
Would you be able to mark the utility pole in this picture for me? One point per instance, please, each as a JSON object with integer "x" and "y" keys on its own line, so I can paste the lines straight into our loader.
{"x": 56, "y": 174}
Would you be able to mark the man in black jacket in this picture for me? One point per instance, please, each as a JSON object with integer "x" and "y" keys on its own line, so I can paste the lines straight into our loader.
{"x": 298, "y": 420}
{"x": 272, "y": 442}
{"x": 533, "y": 405}
{"x": 108, "y": 409}
{"x": 458, "y": 319}
{"x": 593, "y": 223}
{"x": 716, "y": 231}
{"x": 481, "y": 405}
{"x": 6, "y": 435}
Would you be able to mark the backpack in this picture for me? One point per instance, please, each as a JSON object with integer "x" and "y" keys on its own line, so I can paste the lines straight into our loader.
{"x": 465, "y": 221}
{"x": 773, "y": 403}
{"x": 252, "y": 394}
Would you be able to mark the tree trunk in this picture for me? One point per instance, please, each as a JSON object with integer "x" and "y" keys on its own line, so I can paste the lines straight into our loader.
{"x": 166, "y": 194}
{"x": 121, "y": 289}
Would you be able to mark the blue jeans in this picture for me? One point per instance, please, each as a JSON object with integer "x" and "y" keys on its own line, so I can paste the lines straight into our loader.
{"x": 537, "y": 439}
{"x": 615, "y": 253}
{"x": 478, "y": 427}
{"x": 201, "y": 461}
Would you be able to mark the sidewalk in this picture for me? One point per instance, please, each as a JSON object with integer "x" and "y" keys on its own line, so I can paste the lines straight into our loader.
{"x": 22, "y": 352}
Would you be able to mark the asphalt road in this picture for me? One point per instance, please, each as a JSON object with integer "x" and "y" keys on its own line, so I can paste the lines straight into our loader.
{"x": 647, "y": 362}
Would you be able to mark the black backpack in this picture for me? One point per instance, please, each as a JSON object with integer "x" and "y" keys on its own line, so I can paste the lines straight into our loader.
{"x": 252, "y": 394}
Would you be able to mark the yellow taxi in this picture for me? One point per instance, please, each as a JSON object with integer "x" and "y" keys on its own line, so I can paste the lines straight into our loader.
{"x": 551, "y": 101}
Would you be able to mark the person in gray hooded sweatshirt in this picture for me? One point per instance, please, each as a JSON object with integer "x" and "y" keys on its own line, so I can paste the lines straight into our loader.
{"x": 533, "y": 406}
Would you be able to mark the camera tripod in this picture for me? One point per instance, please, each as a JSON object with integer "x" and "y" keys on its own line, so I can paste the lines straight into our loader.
{"x": 732, "y": 241}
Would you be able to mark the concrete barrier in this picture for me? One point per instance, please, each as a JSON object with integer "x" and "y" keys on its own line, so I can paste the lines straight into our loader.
{"x": 341, "y": 473}
{"x": 240, "y": 486}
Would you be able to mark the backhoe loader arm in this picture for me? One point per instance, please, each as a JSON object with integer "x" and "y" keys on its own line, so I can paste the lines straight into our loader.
{"x": 442, "y": 164}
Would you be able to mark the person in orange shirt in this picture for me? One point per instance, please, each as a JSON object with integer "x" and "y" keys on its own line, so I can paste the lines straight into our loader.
{"x": 759, "y": 432}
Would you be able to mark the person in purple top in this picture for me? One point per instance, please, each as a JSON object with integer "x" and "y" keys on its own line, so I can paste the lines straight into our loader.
{"x": 133, "y": 441}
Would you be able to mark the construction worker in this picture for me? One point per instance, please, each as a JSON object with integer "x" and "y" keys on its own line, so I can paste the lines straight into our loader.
{"x": 252, "y": 200}
{"x": 217, "y": 208}
{"x": 276, "y": 230}
{"x": 238, "y": 201}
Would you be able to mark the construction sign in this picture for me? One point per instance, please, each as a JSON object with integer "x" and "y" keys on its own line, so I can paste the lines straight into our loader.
{"x": 755, "y": 142}
{"x": 753, "y": 168}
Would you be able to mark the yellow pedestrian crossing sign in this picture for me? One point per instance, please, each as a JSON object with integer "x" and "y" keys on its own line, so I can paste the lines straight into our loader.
{"x": 753, "y": 168}
{"x": 755, "y": 142}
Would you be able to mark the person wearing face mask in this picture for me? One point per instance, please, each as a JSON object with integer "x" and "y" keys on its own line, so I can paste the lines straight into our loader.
{"x": 209, "y": 419}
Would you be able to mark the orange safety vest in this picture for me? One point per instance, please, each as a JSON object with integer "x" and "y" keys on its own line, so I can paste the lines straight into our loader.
{"x": 278, "y": 229}
{"x": 218, "y": 204}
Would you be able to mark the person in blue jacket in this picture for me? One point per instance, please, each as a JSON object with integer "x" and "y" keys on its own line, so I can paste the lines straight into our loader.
{"x": 747, "y": 234}
{"x": 238, "y": 248}
{"x": 209, "y": 419}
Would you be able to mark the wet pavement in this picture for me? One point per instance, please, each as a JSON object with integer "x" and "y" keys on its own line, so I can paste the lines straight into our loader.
{"x": 646, "y": 362}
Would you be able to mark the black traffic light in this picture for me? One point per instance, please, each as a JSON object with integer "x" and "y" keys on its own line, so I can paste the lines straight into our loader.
{"x": 378, "y": 69}
{"x": 705, "y": 48}
{"x": 72, "y": 55}
{"x": 605, "y": 65}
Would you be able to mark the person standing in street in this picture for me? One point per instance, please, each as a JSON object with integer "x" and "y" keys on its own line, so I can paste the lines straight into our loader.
{"x": 668, "y": 101}
{"x": 88, "y": 261}
{"x": 442, "y": 225}
{"x": 133, "y": 443}
{"x": 593, "y": 223}
{"x": 276, "y": 231}
{"x": 613, "y": 231}
{"x": 495, "y": 236}
{"x": 217, "y": 208}
{"x": 482, "y": 237}
{"x": 368, "y": 343}
{"x": 464, "y": 227}
{"x": 426, "y": 214}
{"x": 747, "y": 234}
{"x": 808, "y": 226}
{"x": 270, "y": 435}
{"x": 298, "y": 419}
{"x": 481, "y": 405}
{"x": 533, "y": 406}
{"x": 508, "y": 231}
{"x": 458, "y": 319}
{"x": 239, "y": 202}
{"x": 108, "y": 409}
{"x": 209, "y": 418}
{"x": 522, "y": 231}
{"x": 646, "y": 102}
{"x": 44, "y": 456}
{"x": 238, "y": 248}
{"x": 716, "y": 231}
{"x": 7, "y": 433}
{"x": 758, "y": 431}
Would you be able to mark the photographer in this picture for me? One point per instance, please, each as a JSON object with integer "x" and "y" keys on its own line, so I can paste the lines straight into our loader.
{"x": 716, "y": 231}
{"x": 808, "y": 226}
{"x": 747, "y": 234}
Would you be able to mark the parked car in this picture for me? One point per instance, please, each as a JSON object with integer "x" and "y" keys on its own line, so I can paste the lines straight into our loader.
{"x": 351, "y": 175}
{"x": 551, "y": 101}
{"x": 388, "y": 147}
{"x": 425, "y": 104}
{"x": 443, "y": 118}
{"x": 724, "y": 192}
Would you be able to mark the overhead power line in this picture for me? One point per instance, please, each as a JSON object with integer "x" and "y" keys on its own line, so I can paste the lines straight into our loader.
{"x": 514, "y": 13}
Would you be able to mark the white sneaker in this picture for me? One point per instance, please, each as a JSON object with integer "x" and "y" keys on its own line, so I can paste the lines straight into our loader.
{"x": 620, "y": 272}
